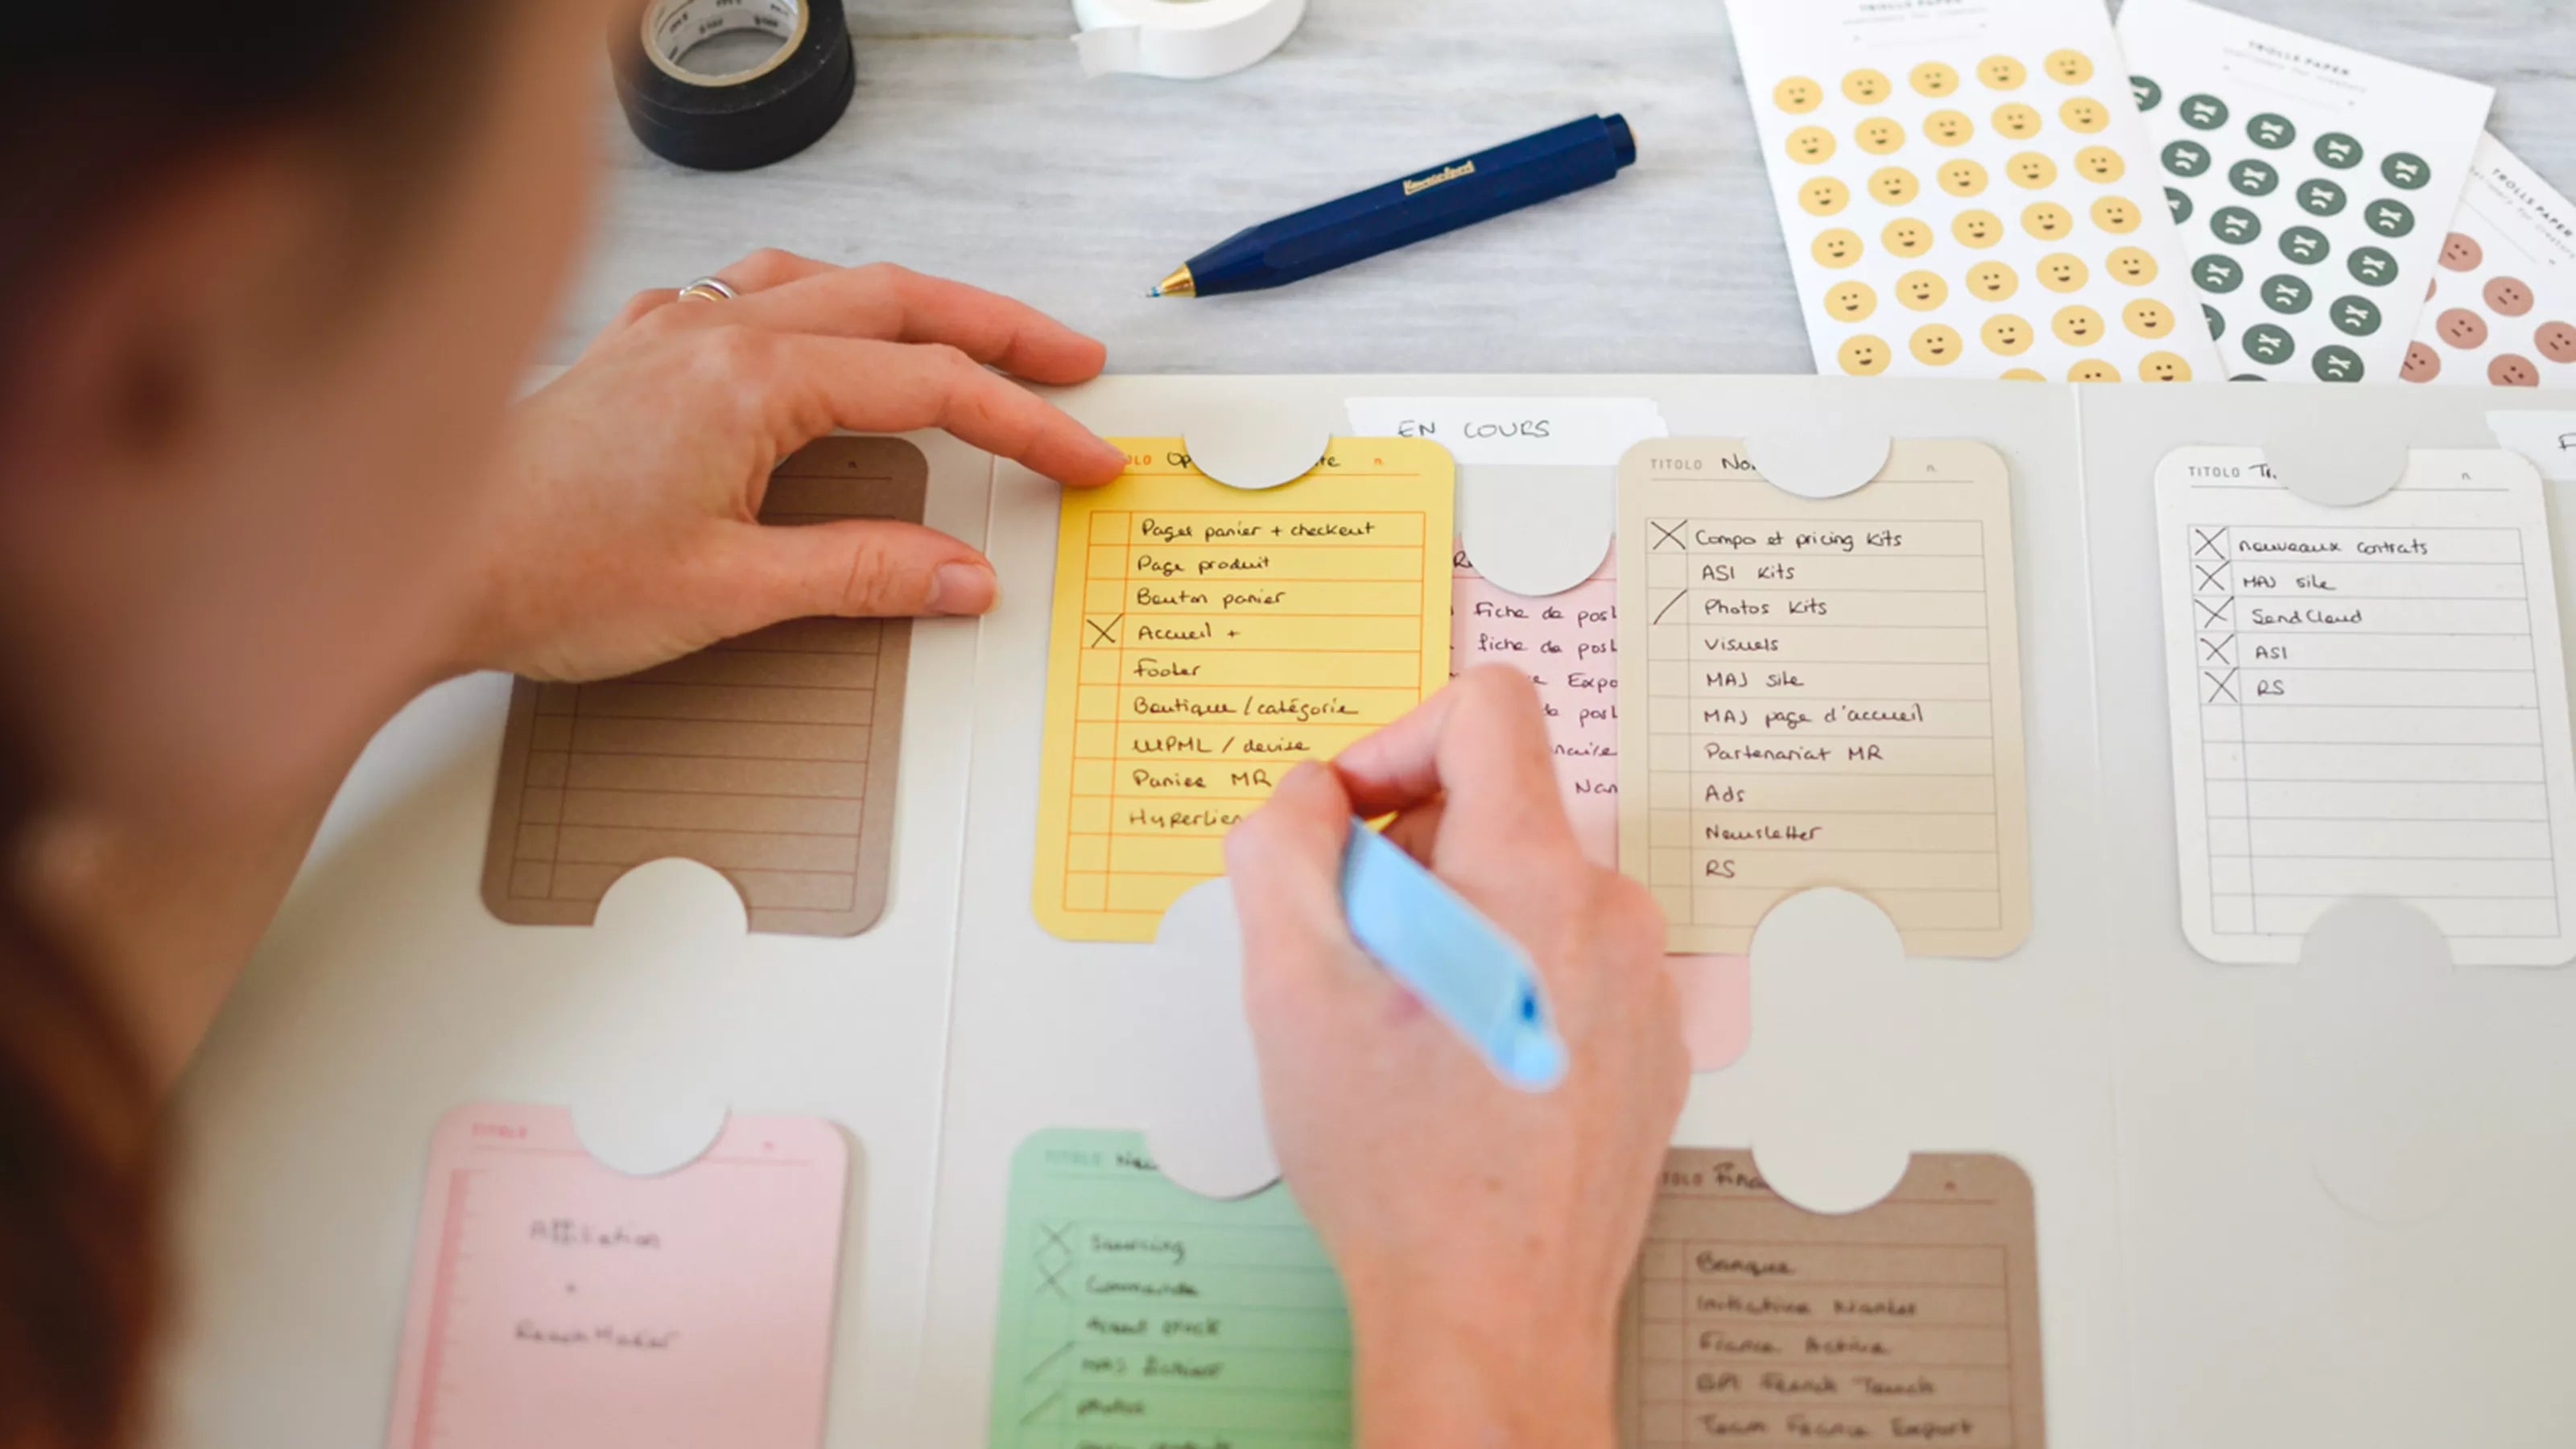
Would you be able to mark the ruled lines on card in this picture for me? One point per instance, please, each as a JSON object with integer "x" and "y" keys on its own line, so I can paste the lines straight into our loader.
{"x": 1916, "y": 1320}
{"x": 1135, "y": 1311}
{"x": 2367, "y": 701}
{"x": 1205, "y": 639}
{"x": 1831, "y": 695}
{"x": 770, "y": 758}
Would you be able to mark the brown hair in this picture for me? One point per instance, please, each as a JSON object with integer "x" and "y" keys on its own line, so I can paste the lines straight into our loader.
{"x": 119, "y": 97}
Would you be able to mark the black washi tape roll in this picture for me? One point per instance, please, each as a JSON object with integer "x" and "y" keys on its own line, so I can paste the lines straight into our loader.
{"x": 739, "y": 119}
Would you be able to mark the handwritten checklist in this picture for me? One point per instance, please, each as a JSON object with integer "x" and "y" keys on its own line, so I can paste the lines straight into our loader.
{"x": 1915, "y": 1321}
{"x": 1137, "y": 1312}
{"x": 557, "y": 1302}
{"x": 1205, "y": 639}
{"x": 2367, "y": 701}
{"x": 1832, "y": 695}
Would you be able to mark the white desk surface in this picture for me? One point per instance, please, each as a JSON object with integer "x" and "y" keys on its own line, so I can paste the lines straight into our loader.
{"x": 975, "y": 150}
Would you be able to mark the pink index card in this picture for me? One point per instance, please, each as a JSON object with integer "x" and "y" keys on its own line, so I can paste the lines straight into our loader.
{"x": 558, "y": 1302}
{"x": 1568, "y": 644}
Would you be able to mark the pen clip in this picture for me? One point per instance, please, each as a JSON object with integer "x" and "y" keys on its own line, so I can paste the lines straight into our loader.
{"x": 1464, "y": 967}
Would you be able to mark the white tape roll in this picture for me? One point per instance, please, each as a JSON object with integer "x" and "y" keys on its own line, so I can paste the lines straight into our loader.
{"x": 1180, "y": 39}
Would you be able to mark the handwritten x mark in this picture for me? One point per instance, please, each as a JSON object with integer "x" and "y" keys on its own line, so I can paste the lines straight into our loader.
{"x": 1103, "y": 633}
{"x": 2217, "y": 649}
{"x": 1046, "y": 1363}
{"x": 2205, "y": 541}
{"x": 1663, "y": 535}
{"x": 2210, "y": 576}
{"x": 2212, "y": 614}
{"x": 2221, "y": 686}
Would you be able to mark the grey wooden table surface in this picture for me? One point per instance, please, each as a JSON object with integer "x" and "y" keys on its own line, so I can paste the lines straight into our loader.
{"x": 975, "y": 149}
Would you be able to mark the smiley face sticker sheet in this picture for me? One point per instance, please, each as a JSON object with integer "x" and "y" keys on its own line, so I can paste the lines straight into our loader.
{"x": 2313, "y": 185}
{"x": 1967, "y": 192}
{"x": 2503, "y": 306}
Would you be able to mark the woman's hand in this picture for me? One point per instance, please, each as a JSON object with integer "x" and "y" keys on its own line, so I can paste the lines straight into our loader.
{"x": 624, "y": 532}
{"x": 1483, "y": 1234}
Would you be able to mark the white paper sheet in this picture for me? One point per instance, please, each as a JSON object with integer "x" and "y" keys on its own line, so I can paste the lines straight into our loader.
{"x": 2367, "y": 701}
{"x": 1967, "y": 192}
{"x": 2312, "y": 184}
{"x": 2503, "y": 306}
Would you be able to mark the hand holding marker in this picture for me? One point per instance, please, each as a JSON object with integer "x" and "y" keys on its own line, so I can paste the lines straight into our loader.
{"x": 1508, "y": 177}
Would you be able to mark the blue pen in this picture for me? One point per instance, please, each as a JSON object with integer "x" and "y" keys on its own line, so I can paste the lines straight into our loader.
{"x": 1464, "y": 968}
{"x": 1510, "y": 176}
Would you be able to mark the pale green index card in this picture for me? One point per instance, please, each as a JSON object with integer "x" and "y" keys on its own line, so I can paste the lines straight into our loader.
{"x": 1137, "y": 1314}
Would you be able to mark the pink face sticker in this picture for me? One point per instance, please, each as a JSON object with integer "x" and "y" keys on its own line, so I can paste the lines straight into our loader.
{"x": 2423, "y": 364}
{"x": 2508, "y": 297}
{"x": 2461, "y": 327}
{"x": 2556, "y": 341}
{"x": 2514, "y": 370}
{"x": 2461, "y": 251}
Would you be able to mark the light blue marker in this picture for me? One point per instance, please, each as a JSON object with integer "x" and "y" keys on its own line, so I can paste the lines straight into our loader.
{"x": 1463, "y": 966}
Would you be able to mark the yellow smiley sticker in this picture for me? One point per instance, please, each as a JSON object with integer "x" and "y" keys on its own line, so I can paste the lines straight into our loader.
{"x": 2016, "y": 120}
{"x": 1809, "y": 145}
{"x": 2148, "y": 318}
{"x": 2077, "y": 326}
{"x": 2092, "y": 369}
{"x": 2061, "y": 271}
{"x": 1878, "y": 135}
{"x": 1934, "y": 79}
{"x": 1937, "y": 345}
{"x": 2100, "y": 163}
{"x": 2021, "y": 374}
{"x": 2084, "y": 114}
{"x": 2135, "y": 266}
{"x": 2070, "y": 66}
{"x": 1824, "y": 196}
{"x": 1797, "y": 95}
{"x": 2030, "y": 170}
{"x": 2163, "y": 367}
{"x": 1906, "y": 237}
{"x": 1863, "y": 356}
{"x": 1850, "y": 301}
{"x": 1948, "y": 128}
{"x": 2007, "y": 335}
{"x": 1977, "y": 228}
{"x": 1922, "y": 291}
{"x": 1893, "y": 185}
{"x": 1992, "y": 281}
{"x": 1961, "y": 177}
{"x": 1839, "y": 247}
{"x": 2116, "y": 214}
{"x": 2000, "y": 72}
{"x": 1865, "y": 87}
{"x": 2045, "y": 220}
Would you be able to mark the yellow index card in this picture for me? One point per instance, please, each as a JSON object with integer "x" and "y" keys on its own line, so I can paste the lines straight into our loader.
{"x": 1205, "y": 639}
{"x": 1830, "y": 695}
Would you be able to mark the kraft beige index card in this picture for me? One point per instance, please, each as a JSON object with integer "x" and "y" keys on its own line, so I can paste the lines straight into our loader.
{"x": 770, "y": 758}
{"x": 1832, "y": 695}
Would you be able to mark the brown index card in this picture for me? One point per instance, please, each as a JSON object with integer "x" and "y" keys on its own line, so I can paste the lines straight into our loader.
{"x": 770, "y": 758}
{"x": 1752, "y": 1321}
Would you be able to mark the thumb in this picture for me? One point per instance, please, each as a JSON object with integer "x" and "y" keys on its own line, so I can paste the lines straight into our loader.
{"x": 858, "y": 568}
{"x": 1285, "y": 860}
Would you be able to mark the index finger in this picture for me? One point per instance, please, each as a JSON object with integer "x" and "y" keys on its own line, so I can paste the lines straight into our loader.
{"x": 869, "y": 386}
{"x": 1480, "y": 747}
{"x": 896, "y": 304}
